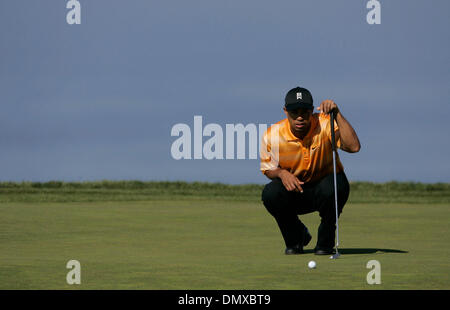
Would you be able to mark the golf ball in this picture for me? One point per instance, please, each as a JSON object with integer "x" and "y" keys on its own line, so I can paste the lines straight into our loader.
{"x": 312, "y": 264}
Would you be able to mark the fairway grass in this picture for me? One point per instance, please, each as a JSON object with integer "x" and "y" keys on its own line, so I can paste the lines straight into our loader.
{"x": 215, "y": 244}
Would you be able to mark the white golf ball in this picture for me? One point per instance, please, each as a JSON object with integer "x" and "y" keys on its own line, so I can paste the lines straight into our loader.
{"x": 312, "y": 264}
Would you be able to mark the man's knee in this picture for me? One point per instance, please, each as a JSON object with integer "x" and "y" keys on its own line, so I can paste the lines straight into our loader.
{"x": 271, "y": 191}
{"x": 272, "y": 195}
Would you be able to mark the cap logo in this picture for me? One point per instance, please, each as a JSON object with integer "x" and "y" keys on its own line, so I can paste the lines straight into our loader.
{"x": 299, "y": 96}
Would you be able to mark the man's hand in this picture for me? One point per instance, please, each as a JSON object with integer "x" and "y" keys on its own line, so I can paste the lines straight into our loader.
{"x": 327, "y": 106}
{"x": 290, "y": 181}
{"x": 347, "y": 135}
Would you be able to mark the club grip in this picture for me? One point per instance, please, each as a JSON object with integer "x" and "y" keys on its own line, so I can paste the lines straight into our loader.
{"x": 333, "y": 141}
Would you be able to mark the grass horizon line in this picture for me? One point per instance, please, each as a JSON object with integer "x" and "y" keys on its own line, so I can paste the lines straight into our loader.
{"x": 134, "y": 190}
{"x": 59, "y": 183}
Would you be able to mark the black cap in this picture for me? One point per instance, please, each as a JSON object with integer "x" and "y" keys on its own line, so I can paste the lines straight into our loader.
{"x": 298, "y": 98}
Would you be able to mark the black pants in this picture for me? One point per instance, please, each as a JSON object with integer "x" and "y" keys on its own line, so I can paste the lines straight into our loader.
{"x": 285, "y": 206}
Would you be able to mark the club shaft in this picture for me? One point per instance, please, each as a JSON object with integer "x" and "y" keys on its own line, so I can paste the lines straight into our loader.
{"x": 333, "y": 147}
{"x": 336, "y": 200}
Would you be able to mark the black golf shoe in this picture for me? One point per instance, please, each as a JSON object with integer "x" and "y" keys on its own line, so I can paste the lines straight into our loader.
{"x": 298, "y": 249}
{"x": 322, "y": 251}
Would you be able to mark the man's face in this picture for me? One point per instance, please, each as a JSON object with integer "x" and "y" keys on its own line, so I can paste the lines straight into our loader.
{"x": 299, "y": 120}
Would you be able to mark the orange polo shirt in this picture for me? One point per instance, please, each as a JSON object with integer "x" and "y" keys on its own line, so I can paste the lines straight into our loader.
{"x": 310, "y": 158}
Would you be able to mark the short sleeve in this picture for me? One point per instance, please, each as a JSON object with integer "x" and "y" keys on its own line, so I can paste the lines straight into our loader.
{"x": 269, "y": 160}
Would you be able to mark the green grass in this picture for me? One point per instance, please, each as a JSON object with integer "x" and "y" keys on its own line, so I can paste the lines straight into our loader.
{"x": 190, "y": 240}
{"x": 56, "y": 191}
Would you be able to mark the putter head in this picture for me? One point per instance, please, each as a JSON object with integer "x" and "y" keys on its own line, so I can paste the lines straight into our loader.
{"x": 335, "y": 256}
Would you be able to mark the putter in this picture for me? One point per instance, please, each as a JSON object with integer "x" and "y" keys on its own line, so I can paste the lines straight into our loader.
{"x": 333, "y": 147}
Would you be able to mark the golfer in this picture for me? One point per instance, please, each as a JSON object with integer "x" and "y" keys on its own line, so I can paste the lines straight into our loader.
{"x": 296, "y": 154}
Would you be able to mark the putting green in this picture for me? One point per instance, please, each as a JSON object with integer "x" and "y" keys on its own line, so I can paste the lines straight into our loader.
{"x": 215, "y": 244}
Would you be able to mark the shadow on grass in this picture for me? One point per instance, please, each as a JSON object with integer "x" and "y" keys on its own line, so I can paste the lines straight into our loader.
{"x": 364, "y": 251}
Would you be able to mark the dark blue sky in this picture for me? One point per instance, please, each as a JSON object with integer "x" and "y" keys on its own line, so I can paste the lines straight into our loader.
{"x": 98, "y": 100}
